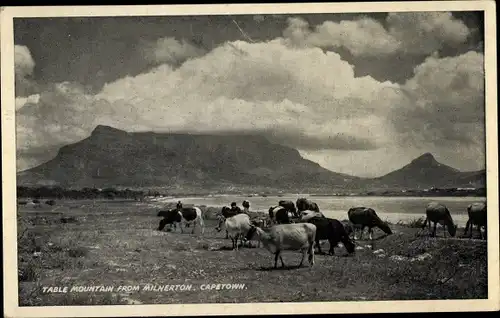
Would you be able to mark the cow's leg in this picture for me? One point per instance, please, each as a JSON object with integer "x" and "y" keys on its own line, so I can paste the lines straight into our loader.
{"x": 194, "y": 226}
{"x": 479, "y": 230}
{"x": 424, "y": 225}
{"x": 354, "y": 232}
{"x": 310, "y": 252}
{"x": 319, "y": 246}
{"x": 241, "y": 240}
{"x": 161, "y": 225}
{"x": 434, "y": 230}
{"x": 467, "y": 228}
{"x": 370, "y": 233}
{"x": 276, "y": 255}
{"x": 444, "y": 231}
{"x": 332, "y": 246}
{"x": 304, "y": 252}
{"x": 485, "y": 231}
{"x": 180, "y": 226}
{"x": 227, "y": 234}
{"x": 202, "y": 225}
{"x": 281, "y": 259}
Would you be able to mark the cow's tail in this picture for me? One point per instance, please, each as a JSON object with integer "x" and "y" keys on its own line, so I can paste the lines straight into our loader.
{"x": 202, "y": 221}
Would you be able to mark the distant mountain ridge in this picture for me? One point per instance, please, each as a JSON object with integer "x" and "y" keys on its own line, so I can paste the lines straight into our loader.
{"x": 426, "y": 172}
{"x": 113, "y": 157}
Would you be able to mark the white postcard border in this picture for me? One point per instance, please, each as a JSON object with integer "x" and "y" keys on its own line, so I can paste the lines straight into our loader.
{"x": 9, "y": 163}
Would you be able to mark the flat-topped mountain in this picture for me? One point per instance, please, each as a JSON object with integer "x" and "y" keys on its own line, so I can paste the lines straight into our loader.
{"x": 110, "y": 157}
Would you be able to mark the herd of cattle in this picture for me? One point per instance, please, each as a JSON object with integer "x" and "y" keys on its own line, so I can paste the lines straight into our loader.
{"x": 301, "y": 226}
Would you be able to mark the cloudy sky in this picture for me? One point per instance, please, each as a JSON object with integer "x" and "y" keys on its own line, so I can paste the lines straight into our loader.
{"x": 359, "y": 94}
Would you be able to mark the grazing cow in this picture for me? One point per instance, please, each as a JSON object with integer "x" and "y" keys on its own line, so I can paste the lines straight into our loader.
{"x": 227, "y": 212}
{"x": 304, "y": 204}
{"x": 294, "y": 237}
{"x": 333, "y": 231}
{"x": 280, "y": 215}
{"x": 237, "y": 226}
{"x": 185, "y": 216}
{"x": 289, "y": 206}
{"x": 439, "y": 213}
{"x": 50, "y": 202}
{"x": 478, "y": 216}
{"x": 367, "y": 217}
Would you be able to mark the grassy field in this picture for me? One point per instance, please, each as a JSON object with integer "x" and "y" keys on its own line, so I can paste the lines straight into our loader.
{"x": 115, "y": 243}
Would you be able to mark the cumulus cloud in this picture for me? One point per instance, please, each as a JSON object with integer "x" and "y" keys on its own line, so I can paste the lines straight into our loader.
{"x": 426, "y": 32}
{"x": 21, "y": 101}
{"x": 23, "y": 68}
{"x": 169, "y": 50}
{"x": 24, "y": 63}
{"x": 364, "y": 36}
{"x": 408, "y": 32}
{"x": 261, "y": 86}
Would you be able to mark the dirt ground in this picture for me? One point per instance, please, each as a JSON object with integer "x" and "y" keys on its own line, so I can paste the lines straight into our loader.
{"x": 115, "y": 243}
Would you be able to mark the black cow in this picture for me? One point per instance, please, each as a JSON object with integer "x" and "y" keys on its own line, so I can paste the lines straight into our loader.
{"x": 304, "y": 204}
{"x": 289, "y": 206}
{"x": 478, "y": 216}
{"x": 235, "y": 208}
{"x": 50, "y": 202}
{"x": 439, "y": 213}
{"x": 367, "y": 217}
{"x": 183, "y": 216}
{"x": 280, "y": 215}
{"x": 333, "y": 231}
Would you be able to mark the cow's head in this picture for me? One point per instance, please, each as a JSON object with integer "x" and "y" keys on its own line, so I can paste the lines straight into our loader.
{"x": 220, "y": 221}
{"x": 251, "y": 233}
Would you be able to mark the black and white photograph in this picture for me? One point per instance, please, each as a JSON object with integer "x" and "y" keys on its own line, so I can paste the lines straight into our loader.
{"x": 250, "y": 159}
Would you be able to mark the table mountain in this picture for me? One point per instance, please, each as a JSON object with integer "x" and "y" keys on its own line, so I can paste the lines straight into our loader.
{"x": 111, "y": 157}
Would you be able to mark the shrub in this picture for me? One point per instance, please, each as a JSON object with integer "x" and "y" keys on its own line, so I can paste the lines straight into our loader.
{"x": 413, "y": 223}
